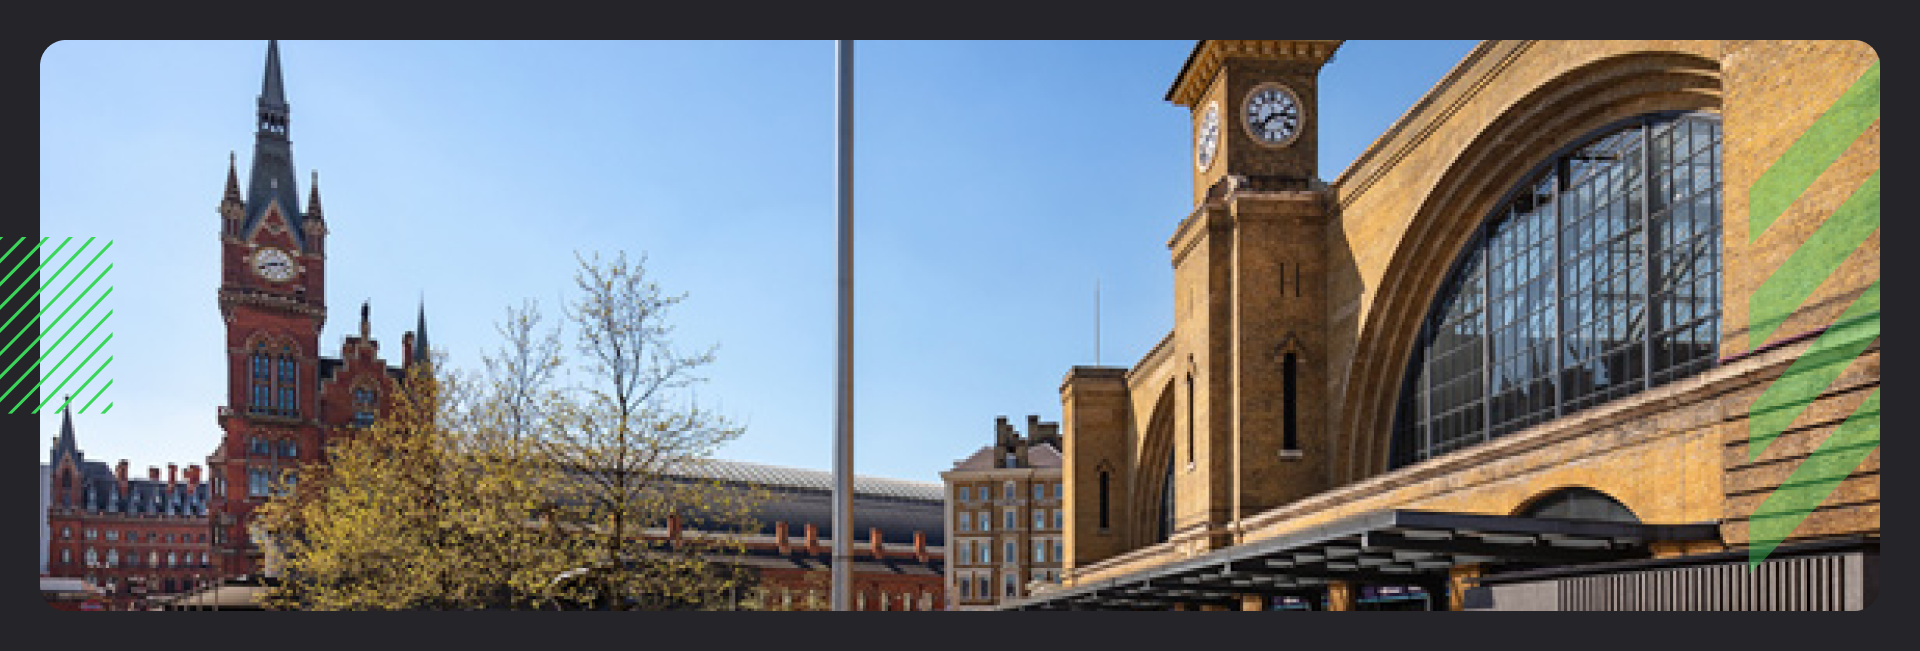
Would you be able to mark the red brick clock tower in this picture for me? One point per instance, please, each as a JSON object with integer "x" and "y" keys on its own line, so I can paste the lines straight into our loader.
{"x": 284, "y": 400}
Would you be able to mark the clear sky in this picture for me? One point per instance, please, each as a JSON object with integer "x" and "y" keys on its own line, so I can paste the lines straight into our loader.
{"x": 996, "y": 182}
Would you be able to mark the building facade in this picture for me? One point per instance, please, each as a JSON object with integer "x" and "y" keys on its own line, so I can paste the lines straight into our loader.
{"x": 285, "y": 400}
{"x": 126, "y": 538}
{"x": 1589, "y": 304}
{"x": 1005, "y": 505}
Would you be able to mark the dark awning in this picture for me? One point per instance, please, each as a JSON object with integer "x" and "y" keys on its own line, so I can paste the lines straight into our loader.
{"x": 1389, "y": 547}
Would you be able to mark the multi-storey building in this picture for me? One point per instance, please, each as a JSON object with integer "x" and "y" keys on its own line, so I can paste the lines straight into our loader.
{"x": 1006, "y": 511}
{"x": 285, "y": 400}
{"x": 1594, "y": 326}
{"x": 131, "y": 538}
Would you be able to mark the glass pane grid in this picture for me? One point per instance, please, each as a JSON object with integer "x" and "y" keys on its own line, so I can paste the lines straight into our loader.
{"x": 1596, "y": 328}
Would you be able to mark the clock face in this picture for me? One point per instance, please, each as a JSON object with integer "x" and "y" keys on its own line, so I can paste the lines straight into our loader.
{"x": 1272, "y": 115}
{"x": 1206, "y": 143}
{"x": 274, "y": 264}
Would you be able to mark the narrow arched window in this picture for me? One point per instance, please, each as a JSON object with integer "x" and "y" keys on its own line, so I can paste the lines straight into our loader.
{"x": 1597, "y": 277}
{"x": 1191, "y": 408}
{"x": 1104, "y": 475}
{"x": 1289, "y": 429}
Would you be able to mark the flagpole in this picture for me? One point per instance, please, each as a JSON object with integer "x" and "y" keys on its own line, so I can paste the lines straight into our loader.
{"x": 843, "y": 402}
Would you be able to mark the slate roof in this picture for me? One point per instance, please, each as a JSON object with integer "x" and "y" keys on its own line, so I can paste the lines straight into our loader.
{"x": 799, "y": 496}
{"x": 1039, "y": 455}
{"x": 99, "y": 489}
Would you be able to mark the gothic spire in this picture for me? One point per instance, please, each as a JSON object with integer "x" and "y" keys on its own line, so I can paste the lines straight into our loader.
{"x": 65, "y": 445}
{"x": 272, "y": 92}
{"x": 233, "y": 180}
{"x": 272, "y": 180}
{"x": 313, "y": 198}
{"x": 420, "y": 335}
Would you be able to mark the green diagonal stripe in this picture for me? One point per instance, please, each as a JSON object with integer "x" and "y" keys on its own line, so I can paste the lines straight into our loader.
{"x": 55, "y": 323}
{"x": 47, "y": 371}
{"x": 1814, "y": 480}
{"x": 1813, "y": 372}
{"x": 1816, "y": 149}
{"x": 1816, "y": 259}
{"x": 56, "y": 342}
{"x": 96, "y": 396}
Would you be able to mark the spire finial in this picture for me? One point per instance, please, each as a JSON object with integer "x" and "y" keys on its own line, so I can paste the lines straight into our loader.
{"x": 313, "y": 198}
{"x": 233, "y": 178}
{"x": 366, "y": 323}
{"x": 420, "y": 334}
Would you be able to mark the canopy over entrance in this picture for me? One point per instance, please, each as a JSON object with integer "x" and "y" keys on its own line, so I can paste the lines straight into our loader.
{"x": 1387, "y": 547}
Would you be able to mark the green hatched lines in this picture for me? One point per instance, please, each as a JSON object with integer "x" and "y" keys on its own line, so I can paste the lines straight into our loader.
{"x": 1787, "y": 288}
{"x": 17, "y": 394}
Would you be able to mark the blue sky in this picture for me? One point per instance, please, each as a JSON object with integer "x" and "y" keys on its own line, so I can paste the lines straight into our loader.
{"x": 995, "y": 183}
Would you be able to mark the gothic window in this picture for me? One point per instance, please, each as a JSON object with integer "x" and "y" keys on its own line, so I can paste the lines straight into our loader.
{"x": 274, "y": 381}
{"x": 364, "y": 409}
{"x": 1597, "y": 278}
{"x": 257, "y": 446}
{"x": 290, "y": 449}
{"x": 259, "y": 482}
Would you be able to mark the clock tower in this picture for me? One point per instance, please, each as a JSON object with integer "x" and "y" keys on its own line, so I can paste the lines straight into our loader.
{"x": 1250, "y": 290}
{"x": 272, "y": 300}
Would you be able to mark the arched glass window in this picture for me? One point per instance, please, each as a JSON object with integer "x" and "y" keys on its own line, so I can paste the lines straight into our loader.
{"x": 1587, "y": 284}
{"x": 1580, "y": 503}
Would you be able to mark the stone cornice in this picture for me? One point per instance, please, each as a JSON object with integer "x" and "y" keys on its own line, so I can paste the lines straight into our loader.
{"x": 1154, "y": 358}
{"x": 1459, "y": 87}
{"x": 1208, "y": 56}
{"x": 233, "y": 296}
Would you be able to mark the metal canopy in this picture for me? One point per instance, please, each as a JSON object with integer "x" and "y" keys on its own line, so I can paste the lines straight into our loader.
{"x": 1388, "y": 547}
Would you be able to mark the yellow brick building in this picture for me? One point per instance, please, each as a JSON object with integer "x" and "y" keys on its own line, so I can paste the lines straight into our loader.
{"x": 1593, "y": 326}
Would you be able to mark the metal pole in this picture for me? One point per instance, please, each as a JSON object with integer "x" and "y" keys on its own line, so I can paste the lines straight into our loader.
{"x": 843, "y": 400}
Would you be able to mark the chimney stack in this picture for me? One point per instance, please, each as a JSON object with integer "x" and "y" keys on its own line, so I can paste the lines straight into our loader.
{"x": 193, "y": 477}
{"x": 173, "y": 476}
{"x": 813, "y": 539}
{"x": 153, "y": 473}
{"x": 120, "y": 472}
{"x": 920, "y": 545}
{"x": 406, "y": 347}
{"x": 780, "y": 535}
{"x": 879, "y": 548}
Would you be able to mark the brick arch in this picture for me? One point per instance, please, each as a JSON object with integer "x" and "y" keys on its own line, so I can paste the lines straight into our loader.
{"x": 274, "y": 341}
{"x": 1527, "y": 503}
{"x": 1149, "y": 471}
{"x": 1566, "y": 107}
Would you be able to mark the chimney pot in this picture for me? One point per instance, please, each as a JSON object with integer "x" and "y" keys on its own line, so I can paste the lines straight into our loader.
{"x": 879, "y": 547}
{"x": 813, "y": 539}
{"x": 173, "y": 474}
{"x": 120, "y": 471}
{"x": 780, "y": 534}
{"x": 920, "y": 545}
